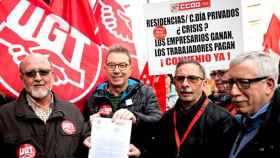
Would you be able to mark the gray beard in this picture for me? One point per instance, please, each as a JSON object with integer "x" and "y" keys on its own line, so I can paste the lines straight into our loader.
{"x": 39, "y": 93}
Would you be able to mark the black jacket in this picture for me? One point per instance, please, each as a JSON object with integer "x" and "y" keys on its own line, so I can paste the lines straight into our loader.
{"x": 22, "y": 132}
{"x": 266, "y": 143}
{"x": 209, "y": 137}
{"x": 142, "y": 102}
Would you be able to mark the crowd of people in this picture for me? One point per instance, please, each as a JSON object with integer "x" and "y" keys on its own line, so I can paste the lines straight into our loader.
{"x": 240, "y": 118}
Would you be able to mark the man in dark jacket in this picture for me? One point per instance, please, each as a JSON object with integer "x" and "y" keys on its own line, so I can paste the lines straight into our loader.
{"x": 122, "y": 97}
{"x": 252, "y": 84}
{"x": 38, "y": 124}
{"x": 195, "y": 127}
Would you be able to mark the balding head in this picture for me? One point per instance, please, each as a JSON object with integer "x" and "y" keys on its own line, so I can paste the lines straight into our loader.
{"x": 32, "y": 58}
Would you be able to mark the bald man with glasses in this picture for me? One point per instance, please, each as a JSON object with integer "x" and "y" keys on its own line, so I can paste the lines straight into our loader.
{"x": 252, "y": 85}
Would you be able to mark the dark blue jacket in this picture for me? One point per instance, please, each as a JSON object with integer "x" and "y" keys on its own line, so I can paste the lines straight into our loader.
{"x": 266, "y": 143}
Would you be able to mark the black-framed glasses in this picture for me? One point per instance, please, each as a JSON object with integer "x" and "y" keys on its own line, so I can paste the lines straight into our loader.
{"x": 33, "y": 73}
{"x": 190, "y": 78}
{"x": 121, "y": 66}
{"x": 241, "y": 83}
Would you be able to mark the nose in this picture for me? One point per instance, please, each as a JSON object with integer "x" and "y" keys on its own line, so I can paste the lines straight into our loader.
{"x": 235, "y": 90}
{"x": 37, "y": 77}
{"x": 116, "y": 69}
{"x": 185, "y": 82}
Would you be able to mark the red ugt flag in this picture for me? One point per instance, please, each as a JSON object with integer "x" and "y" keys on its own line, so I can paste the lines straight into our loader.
{"x": 104, "y": 22}
{"x": 32, "y": 27}
{"x": 77, "y": 13}
{"x": 272, "y": 36}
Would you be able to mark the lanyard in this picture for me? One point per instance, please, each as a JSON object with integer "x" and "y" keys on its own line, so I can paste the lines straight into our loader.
{"x": 179, "y": 141}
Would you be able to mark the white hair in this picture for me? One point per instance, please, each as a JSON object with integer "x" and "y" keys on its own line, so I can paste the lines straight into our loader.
{"x": 265, "y": 64}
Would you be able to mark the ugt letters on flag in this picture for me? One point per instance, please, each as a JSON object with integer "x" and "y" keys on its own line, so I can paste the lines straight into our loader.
{"x": 31, "y": 27}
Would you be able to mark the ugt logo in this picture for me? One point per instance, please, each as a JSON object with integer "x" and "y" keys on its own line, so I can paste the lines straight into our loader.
{"x": 26, "y": 28}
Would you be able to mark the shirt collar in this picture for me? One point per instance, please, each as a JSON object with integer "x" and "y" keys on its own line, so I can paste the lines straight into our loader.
{"x": 262, "y": 110}
{"x": 34, "y": 104}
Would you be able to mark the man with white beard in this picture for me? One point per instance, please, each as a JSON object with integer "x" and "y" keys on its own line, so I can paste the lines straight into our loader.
{"x": 38, "y": 123}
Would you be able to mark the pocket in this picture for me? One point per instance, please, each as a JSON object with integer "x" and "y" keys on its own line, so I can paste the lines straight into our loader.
{"x": 67, "y": 142}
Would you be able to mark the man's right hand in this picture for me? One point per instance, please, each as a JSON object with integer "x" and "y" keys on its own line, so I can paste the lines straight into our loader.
{"x": 133, "y": 152}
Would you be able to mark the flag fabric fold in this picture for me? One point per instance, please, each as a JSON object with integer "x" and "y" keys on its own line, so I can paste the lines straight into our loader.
{"x": 272, "y": 36}
{"x": 157, "y": 83}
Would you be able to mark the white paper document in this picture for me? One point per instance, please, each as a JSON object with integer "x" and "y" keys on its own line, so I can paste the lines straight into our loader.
{"x": 109, "y": 139}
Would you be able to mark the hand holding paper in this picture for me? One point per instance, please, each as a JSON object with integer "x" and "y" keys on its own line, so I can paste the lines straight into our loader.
{"x": 109, "y": 139}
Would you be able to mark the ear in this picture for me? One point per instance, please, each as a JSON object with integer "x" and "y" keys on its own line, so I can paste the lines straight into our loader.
{"x": 52, "y": 77}
{"x": 270, "y": 85}
{"x": 203, "y": 84}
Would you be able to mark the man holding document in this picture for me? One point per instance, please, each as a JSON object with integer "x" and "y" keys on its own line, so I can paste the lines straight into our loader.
{"x": 124, "y": 98}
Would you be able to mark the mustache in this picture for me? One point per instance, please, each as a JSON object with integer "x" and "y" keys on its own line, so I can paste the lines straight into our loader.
{"x": 186, "y": 90}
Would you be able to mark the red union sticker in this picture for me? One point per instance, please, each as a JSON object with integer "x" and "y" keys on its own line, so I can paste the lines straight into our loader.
{"x": 26, "y": 151}
{"x": 159, "y": 32}
{"x": 183, "y": 6}
{"x": 68, "y": 127}
{"x": 105, "y": 110}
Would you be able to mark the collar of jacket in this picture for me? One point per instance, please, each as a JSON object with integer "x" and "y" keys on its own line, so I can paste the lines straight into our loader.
{"x": 24, "y": 111}
{"x": 133, "y": 84}
{"x": 271, "y": 119}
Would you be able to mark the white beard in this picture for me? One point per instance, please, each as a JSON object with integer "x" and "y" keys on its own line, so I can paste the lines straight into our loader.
{"x": 39, "y": 93}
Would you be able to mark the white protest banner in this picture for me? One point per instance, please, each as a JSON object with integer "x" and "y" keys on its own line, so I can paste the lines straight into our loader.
{"x": 206, "y": 31}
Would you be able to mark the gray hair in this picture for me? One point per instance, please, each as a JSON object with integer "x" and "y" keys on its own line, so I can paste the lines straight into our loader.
{"x": 265, "y": 64}
{"x": 119, "y": 49}
{"x": 184, "y": 62}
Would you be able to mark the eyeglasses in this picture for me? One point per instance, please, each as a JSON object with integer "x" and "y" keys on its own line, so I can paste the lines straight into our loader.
{"x": 242, "y": 83}
{"x": 121, "y": 66}
{"x": 218, "y": 73}
{"x": 191, "y": 78}
{"x": 33, "y": 73}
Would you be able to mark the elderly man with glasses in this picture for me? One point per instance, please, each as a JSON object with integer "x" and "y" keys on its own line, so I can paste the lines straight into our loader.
{"x": 195, "y": 127}
{"x": 122, "y": 97}
{"x": 252, "y": 84}
{"x": 38, "y": 123}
